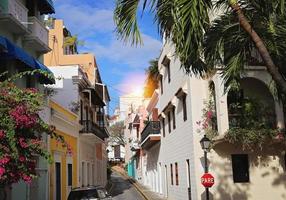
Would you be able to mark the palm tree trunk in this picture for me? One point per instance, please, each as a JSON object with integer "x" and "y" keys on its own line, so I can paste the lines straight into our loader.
{"x": 271, "y": 67}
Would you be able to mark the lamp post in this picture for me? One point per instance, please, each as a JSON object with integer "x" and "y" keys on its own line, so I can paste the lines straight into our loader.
{"x": 205, "y": 144}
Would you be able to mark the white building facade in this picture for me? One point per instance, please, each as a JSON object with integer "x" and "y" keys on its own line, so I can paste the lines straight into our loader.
{"x": 239, "y": 174}
{"x": 150, "y": 144}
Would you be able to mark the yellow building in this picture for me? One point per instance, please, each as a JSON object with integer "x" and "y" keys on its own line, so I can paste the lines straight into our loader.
{"x": 64, "y": 170}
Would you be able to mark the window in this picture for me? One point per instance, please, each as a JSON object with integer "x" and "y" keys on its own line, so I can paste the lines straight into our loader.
{"x": 188, "y": 173}
{"x": 161, "y": 84}
{"x": 163, "y": 126}
{"x": 169, "y": 121}
{"x": 177, "y": 173}
{"x": 166, "y": 63}
{"x": 93, "y": 172}
{"x": 171, "y": 168}
{"x": 69, "y": 174}
{"x": 240, "y": 168}
{"x": 88, "y": 174}
{"x": 168, "y": 71}
{"x": 81, "y": 110}
{"x": 174, "y": 117}
{"x": 184, "y": 107}
{"x": 82, "y": 174}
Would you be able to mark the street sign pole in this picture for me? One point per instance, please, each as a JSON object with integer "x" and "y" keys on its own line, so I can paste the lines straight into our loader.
{"x": 206, "y": 171}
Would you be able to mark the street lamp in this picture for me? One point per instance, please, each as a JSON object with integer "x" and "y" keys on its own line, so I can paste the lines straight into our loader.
{"x": 205, "y": 144}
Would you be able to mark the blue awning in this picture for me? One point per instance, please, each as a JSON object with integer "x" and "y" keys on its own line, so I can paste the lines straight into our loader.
{"x": 14, "y": 52}
{"x": 3, "y": 43}
{"x": 46, "y": 7}
{"x": 11, "y": 52}
{"x": 45, "y": 80}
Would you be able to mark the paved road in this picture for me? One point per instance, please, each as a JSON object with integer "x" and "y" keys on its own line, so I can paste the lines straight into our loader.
{"x": 123, "y": 190}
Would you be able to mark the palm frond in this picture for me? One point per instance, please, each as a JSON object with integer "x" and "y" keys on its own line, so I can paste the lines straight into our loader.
{"x": 125, "y": 18}
{"x": 191, "y": 22}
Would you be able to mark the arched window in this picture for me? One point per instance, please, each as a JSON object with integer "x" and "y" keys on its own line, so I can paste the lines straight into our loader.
{"x": 212, "y": 105}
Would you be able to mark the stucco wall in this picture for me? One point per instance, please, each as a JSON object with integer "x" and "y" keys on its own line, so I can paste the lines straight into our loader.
{"x": 267, "y": 168}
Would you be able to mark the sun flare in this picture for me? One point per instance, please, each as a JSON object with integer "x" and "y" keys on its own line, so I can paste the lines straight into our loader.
{"x": 138, "y": 91}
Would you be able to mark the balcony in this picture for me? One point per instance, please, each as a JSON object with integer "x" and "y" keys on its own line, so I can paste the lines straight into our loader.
{"x": 38, "y": 39}
{"x": 90, "y": 127}
{"x": 150, "y": 134}
{"x": 134, "y": 145}
{"x": 14, "y": 16}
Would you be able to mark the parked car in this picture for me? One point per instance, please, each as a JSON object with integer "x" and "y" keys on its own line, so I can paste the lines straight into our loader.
{"x": 89, "y": 193}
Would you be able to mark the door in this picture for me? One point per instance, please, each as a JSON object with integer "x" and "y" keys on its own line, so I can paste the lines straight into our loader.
{"x": 58, "y": 181}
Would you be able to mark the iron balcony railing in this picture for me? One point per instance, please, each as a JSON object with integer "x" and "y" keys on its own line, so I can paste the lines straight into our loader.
{"x": 91, "y": 127}
{"x": 151, "y": 128}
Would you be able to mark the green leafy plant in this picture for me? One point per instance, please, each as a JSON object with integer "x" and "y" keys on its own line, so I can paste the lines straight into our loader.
{"x": 252, "y": 122}
{"x": 251, "y": 138}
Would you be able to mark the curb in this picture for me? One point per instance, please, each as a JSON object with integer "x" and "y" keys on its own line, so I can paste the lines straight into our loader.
{"x": 133, "y": 182}
{"x": 111, "y": 188}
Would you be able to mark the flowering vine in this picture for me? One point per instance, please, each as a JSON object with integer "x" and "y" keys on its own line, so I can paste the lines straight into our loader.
{"x": 21, "y": 132}
{"x": 208, "y": 122}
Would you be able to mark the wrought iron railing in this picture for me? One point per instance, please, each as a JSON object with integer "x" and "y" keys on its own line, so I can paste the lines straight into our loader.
{"x": 151, "y": 128}
{"x": 91, "y": 127}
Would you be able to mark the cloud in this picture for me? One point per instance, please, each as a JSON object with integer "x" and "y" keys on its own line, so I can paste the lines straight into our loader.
{"x": 134, "y": 57}
{"x": 86, "y": 18}
{"x": 93, "y": 22}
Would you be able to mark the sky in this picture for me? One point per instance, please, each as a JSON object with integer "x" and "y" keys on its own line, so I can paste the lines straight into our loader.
{"x": 122, "y": 66}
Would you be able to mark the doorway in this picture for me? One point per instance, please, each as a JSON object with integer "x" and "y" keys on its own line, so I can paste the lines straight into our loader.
{"x": 58, "y": 181}
{"x": 166, "y": 182}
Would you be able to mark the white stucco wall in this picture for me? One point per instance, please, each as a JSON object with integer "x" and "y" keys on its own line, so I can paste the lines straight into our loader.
{"x": 267, "y": 168}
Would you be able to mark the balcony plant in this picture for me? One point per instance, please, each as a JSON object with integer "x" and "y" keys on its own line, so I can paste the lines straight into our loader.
{"x": 21, "y": 132}
{"x": 251, "y": 123}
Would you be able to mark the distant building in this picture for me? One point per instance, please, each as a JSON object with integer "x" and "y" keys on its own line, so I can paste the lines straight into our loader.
{"x": 129, "y": 103}
{"x": 116, "y": 151}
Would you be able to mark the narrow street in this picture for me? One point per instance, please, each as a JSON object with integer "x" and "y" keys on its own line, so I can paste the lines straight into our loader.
{"x": 123, "y": 189}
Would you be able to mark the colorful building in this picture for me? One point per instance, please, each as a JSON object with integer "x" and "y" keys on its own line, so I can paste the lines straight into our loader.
{"x": 63, "y": 174}
{"x": 81, "y": 91}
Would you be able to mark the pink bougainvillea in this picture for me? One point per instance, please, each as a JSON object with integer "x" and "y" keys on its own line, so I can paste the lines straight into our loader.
{"x": 22, "y": 118}
{"x": 21, "y": 131}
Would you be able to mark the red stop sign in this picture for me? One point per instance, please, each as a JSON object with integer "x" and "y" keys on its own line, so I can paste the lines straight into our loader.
{"x": 207, "y": 180}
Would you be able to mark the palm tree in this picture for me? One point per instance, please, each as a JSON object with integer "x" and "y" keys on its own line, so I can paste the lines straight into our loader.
{"x": 73, "y": 42}
{"x": 187, "y": 24}
{"x": 152, "y": 73}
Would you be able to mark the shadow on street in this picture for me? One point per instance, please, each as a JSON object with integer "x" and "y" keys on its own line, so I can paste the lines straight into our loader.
{"x": 123, "y": 189}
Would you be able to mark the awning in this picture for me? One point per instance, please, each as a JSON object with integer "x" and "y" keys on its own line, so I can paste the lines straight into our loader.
{"x": 11, "y": 52}
{"x": 3, "y": 45}
{"x": 46, "y": 7}
{"x": 44, "y": 79}
{"x": 14, "y": 52}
